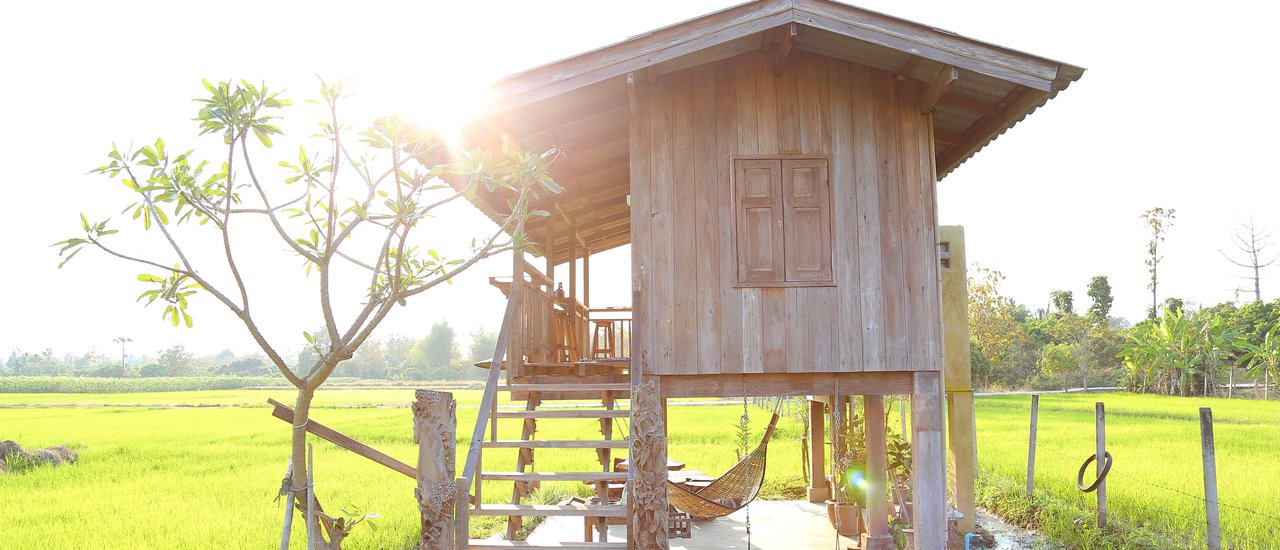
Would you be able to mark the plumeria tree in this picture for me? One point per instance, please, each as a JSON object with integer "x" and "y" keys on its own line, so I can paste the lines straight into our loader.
{"x": 333, "y": 208}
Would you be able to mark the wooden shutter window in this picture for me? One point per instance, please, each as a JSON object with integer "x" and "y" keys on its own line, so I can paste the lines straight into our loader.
{"x": 759, "y": 210}
{"x": 807, "y": 220}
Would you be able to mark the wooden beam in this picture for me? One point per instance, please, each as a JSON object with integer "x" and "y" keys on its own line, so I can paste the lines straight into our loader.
{"x": 773, "y": 384}
{"x": 631, "y": 94}
{"x": 938, "y": 88}
{"x": 778, "y": 42}
{"x": 285, "y": 413}
{"x": 947, "y": 136}
{"x": 984, "y": 129}
{"x": 904, "y": 73}
{"x": 960, "y": 102}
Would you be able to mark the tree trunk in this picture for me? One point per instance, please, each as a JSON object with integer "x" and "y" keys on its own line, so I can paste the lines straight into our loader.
{"x": 302, "y": 415}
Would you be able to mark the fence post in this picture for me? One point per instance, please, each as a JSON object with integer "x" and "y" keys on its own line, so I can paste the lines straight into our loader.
{"x": 434, "y": 423}
{"x": 1214, "y": 532}
{"x": 1101, "y": 418}
{"x": 461, "y": 515}
{"x": 1031, "y": 445}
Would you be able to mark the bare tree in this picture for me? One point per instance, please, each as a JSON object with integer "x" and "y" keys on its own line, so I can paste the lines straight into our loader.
{"x": 1252, "y": 241}
{"x": 1158, "y": 221}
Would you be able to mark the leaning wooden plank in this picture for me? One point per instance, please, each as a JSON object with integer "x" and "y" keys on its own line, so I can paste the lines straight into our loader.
{"x": 555, "y": 444}
{"x": 563, "y": 545}
{"x": 555, "y": 476}
{"x": 331, "y": 435}
{"x": 588, "y": 510}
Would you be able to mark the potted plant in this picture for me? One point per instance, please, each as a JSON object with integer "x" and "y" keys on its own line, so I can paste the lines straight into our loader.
{"x": 899, "y": 455}
{"x": 848, "y": 482}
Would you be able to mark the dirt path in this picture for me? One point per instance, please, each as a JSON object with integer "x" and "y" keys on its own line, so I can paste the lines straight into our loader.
{"x": 1010, "y": 536}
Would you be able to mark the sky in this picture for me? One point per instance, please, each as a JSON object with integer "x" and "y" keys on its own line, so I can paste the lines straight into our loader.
{"x": 1170, "y": 113}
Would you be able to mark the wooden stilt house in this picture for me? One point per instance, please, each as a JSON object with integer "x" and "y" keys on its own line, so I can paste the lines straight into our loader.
{"x": 773, "y": 168}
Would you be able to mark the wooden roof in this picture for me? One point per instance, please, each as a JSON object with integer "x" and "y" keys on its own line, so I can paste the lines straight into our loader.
{"x": 581, "y": 103}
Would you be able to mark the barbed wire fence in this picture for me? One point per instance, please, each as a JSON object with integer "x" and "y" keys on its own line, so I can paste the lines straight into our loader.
{"x": 1186, "y": 525}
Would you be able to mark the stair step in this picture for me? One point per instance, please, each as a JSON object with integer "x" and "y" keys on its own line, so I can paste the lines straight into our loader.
{"x": 573, "y": 413}
{"x": 498, "y": 544}
{"x": 555, "y": 444}
{"x": 590, "y": 387}
{"x": 588, "y": 510}
{"x": 554, "y": 476}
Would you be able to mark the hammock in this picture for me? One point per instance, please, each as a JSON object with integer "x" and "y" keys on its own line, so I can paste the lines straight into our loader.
{"x": 729, "y": 493}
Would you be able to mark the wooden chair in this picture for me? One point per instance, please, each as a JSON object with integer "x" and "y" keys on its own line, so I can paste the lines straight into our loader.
{"x": 604, "y": 344}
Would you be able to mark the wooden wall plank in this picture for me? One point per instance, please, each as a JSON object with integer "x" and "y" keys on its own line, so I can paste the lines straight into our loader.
{"x": 812, "y": 77}
{"x": 885, "y": 105}
{"x": 641, "y": 210}
{"x": 767, "y": 108}
{"x": 845, "y": 216}
{"x": 747, "y": 116}
{"x": 684, "y": 244}
{"x": 773, "y": 327}
{"x": 661, "y": 230}
{"x": 865, "y": 161}
{"x": 788, "y": 137}
{"x": 711, "y": 242}
{"x": 731, "y": 356}
{"x": 917, "y": 255}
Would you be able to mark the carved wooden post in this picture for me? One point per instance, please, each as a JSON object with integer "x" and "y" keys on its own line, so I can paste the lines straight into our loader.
{"x": 648, "y": 471}
{"x": 434, "y": 422}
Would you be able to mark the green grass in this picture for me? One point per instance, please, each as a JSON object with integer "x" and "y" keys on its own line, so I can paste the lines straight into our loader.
{"x": 156, "y": 471}
{"x": 154, "y": 475}
{"x": 1156, "y": 484}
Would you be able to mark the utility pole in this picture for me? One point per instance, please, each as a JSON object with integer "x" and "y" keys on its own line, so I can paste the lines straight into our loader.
{"x": 122, "y": 341}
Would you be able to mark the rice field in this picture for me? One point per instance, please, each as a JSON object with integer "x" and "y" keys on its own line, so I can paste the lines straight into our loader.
{"x": 201, "y": 469}
{"x": 156, "y": 471}
{"x": 1156, "y": 481}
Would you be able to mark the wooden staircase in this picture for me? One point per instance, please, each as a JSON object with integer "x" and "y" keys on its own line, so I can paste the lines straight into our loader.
{"x": 540, "y": 385}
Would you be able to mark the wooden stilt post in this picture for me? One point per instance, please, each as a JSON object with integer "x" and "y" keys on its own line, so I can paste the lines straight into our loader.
{"x": 1213, "y": 535}
{"x": 434, "y": 425}
{"x": 928, "y": 472}
{"x": 1100, "y": 416}
{"x": 1031, "y": 445}
{"x": 819, "y": 492}
{"x": 877, "y": 536}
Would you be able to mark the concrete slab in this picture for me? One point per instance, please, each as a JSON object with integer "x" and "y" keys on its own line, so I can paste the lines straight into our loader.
{"x": 775, "y": 525}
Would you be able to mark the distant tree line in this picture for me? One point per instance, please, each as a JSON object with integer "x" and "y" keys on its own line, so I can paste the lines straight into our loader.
{"x": 435, "y": 356}
{"x": 1176, "y": 350}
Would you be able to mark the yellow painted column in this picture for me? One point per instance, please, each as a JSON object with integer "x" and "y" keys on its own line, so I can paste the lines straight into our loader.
{"x": 962, "y": 444}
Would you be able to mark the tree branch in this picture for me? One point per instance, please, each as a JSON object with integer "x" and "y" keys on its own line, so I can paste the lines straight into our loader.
{"x": 270, "y": 212}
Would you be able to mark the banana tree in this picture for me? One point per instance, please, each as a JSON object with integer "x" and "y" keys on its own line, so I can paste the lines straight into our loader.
{"x": 1263, "y": 359}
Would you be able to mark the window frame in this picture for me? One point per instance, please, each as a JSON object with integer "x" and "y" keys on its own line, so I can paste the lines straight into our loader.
{"x": 736, "y": 207}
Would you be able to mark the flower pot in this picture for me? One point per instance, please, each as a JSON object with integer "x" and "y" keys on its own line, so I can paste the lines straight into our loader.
{"x": 831, "y": 511}
{"x": 850, "y": 519}
{"x": 909, "y": 535}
